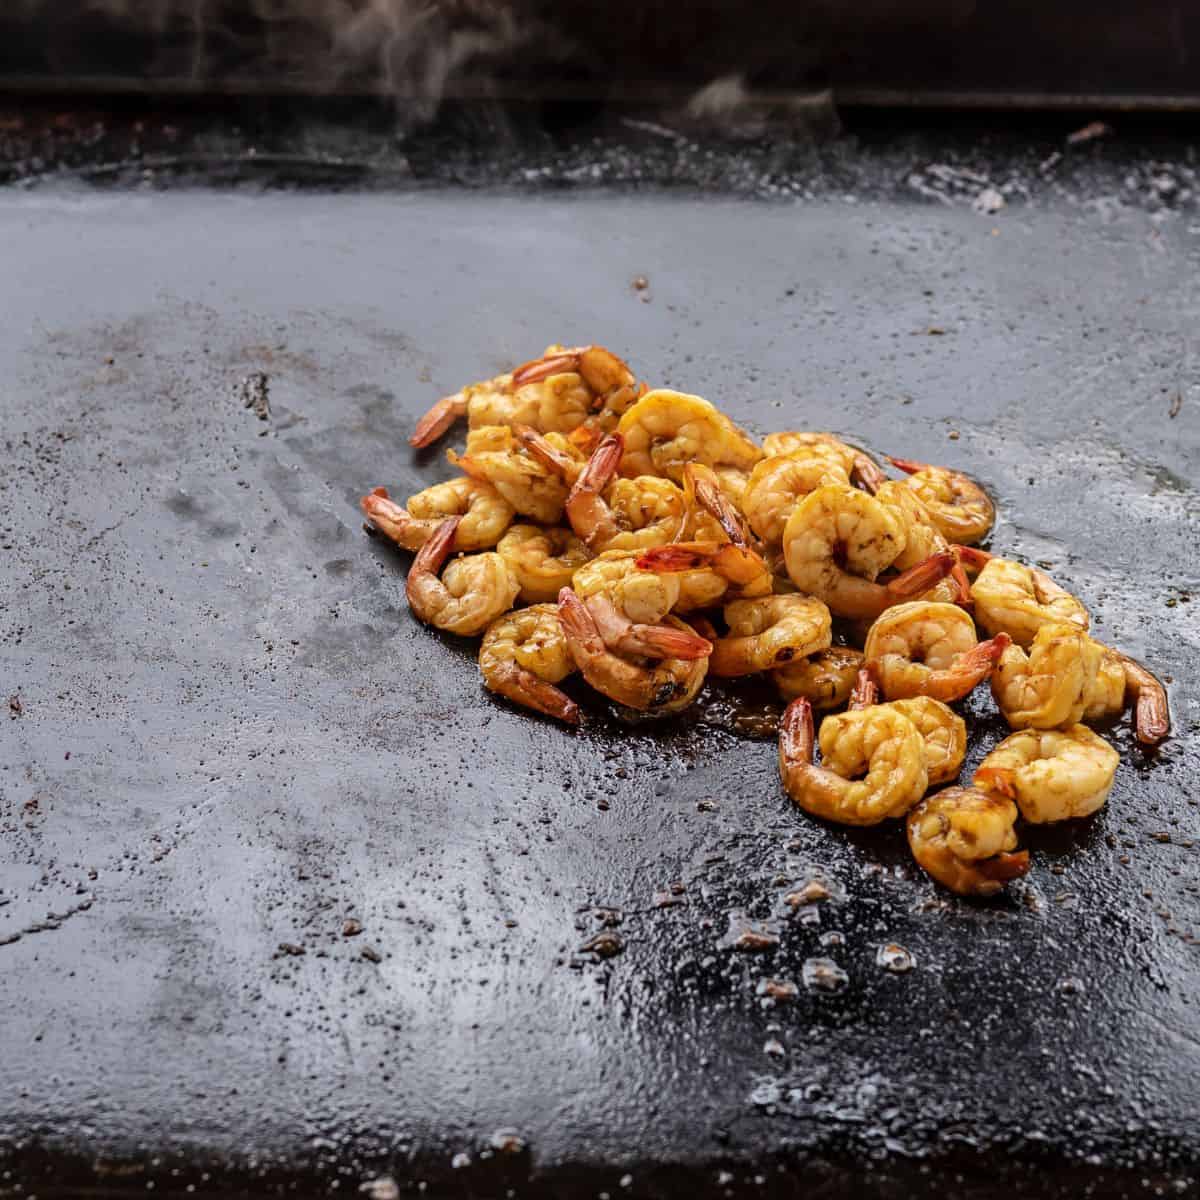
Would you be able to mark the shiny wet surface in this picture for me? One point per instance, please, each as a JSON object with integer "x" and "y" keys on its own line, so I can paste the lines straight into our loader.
{"x": 577, "y": 960}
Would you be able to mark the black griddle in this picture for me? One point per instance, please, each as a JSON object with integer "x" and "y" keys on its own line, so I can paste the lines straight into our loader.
{"x": 228, "y": 737}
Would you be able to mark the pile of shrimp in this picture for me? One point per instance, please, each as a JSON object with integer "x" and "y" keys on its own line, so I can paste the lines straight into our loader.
{"x": 641, "y": 540}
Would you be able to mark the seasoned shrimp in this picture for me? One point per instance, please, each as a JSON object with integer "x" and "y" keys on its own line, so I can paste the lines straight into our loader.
{"x": 929, "y": 649}
{"x": 642, "y": 596}
{"x": 778, "y": 484}
{"x": 495, "y": 455}
{"x": 709, "y": 573}
{"x": 879, "y": 741}
{"x": 524, "y": 654}
{"x": 825, "y": 679}
{"x": 965, "y": 839}
{"x": 838, "y": 541}
{"x": 472, "y": 592}
{"x": 942, "y": 730}
{"x": 542, "y": 560}
{"x": 665, "y": 430}
{"x": 855, "y": 464}
{"x": 769, "y": 632}
{"x": 733, "y": 481}
{"x": 960, "y": 508}
{"x": 922, "y": 539}
{"x": 1121, "y": 681}
{"x": 612, "y": 384}
{"x": 1053, "y": 775}
{"x": 560, "y": 454}
{"x": 664, "y": 686}
{"x": 1049, "y": 685}
{"x": 485, "y": 514}
{"x": 660, "y": 640}
{"x": 1018, "y": 600}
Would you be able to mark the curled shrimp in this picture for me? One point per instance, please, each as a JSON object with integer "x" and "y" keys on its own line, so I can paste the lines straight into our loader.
{"x": 880, "y": 742}
{"x": 485, "y": 514}
{"x": 659, "y": 640}
{"x": 613, "y": 386}
{"x": 965, "y": 840}
{"x": 855, "y": 464}
{"x": 471, "y": 593}
{"x": 709, "y": 573}
{"x": 839, "y": 540}
{"x": 1048, "y": 685}
{"x": 960, "y": 508}
{"x": 1018, "y": 600}
{"x": 1122, "y": 681}
{"x": 929, "y": 649}
{"x": 824, "y": 679}
{"x": 542, "y": 560}
{"x": 768, "y": 632}
{"x": 665, "y": 430}
{"x": 642, "y": 596}
{"x": 922, "y": 539}
{"x": 943, "y": 732}
{"x": 524, "y": 654}
{"x": 1052, "y": 774}
{"x": 495, "y": 455}
{"x": 778, "y": 484}
{"x": 661, "y": 687}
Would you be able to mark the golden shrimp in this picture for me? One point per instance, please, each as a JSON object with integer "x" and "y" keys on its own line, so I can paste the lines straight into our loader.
{"x": 965, "y": 840}
{"x": 778, "y": 484}
{"x": 960, "y": 508}
{"x": 658, "y": 640}
{"x": 555, "y": 393}
{"x": 524, "y": 654}
{"x": 642, "y": 596}
{"x": 664, "y": 686}
{"x": 825, "y": 679}
{"x": 839, "y": 540}
{"x": 472, "y": 592}
{"x": 542, "y": 560}
{"x": 709, "y": 573}
{"x": 558, "y": 453}
{"x": 879, "y": 741}
{"x": 1052, "y": 774}
{"x": 922, "y": 539}
{"x": 1018, "y": 600}
{"x": 768, "y": 632}
{"x": 665, "y": 430}
{"x": 1049, "y": 685}
{"x": 929, "y": 649}
{"x": 495, "y": 455}
{"x": 942, "y": 730}
{"x": 485, "y": 514}
{"x": 1122, "y": 681}
{"x": 733, "y": 481}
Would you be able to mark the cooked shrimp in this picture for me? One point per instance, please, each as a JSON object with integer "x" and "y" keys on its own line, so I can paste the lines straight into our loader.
{"x": 524, "y": 654}
{"x": 612, "y": 384}
{"x": 1018, "y": 600}
{"x": 660, "y": 640}
{"x": 960, "y": 508}
{"x": 709, "y": 573}
{"x": 1121, "y": 681}
{"x": 472, "y": 592}
{"x": 664, "y": 686}
{"x": 929, "y": 649}
{"x": 879, "y": 741}
{"x": 942, "y": 730}
{"x": 855, "y": 464}
{"x": 733, "y": 481}
{"x": 965, "y": 839}
{"x": 665, "y": 430}
{"x": 560, "y": 454}
{"x": 825, "y": 679}
{"x": 778, "y": 484}
{"x": 768, "y": 632}
{"x": 485, "y": 514}
{"x": 838, "y": 541}
{"x": 922, "y": 539}
{"x": 1049, "y": 685}
{"x": 642, "y": 596}
{"x": 1053, "y": 775}
{"x": 542, "y": 560}
{"x": 495, "y": 455}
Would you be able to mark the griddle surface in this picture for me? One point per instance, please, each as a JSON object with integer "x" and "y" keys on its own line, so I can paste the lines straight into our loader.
{"x": 233, "y": 736}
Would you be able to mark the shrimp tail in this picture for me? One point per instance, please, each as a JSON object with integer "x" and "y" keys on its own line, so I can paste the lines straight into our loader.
{"x": 997, "y": 779}
{"x": 681, "y": 556}
{"x": 549, "y": 364}
{"x": 585, "y": 437}
{"x": 601, "y": 467}
{"x": 664, "y": 641}
{"x": 910, "y": 466}
{"x": 710, "y": 497}
{"x": 391, "y": 519}
{"x": 971, "y": 558}
{"x": 541, "y": 450}
{"x": 431, "y": 556}
{"x": 438, "y": 419}
{"x": 964, "y": 599}
{"x": 796, "y": 734}
{"x": 1151, "y": 712}
{"x": 577, "y": 622}
{"x": 866, "y": 690}
{"x": 923, "y": 576}
{"x": 525, "y": 688}
{"x": 1003, "y": 868}
{"x": 977, "y": 664}
{"x": 867, "y": 474}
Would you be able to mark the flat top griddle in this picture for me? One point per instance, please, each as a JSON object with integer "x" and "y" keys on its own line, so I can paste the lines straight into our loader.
{"x": 228, "y": 735}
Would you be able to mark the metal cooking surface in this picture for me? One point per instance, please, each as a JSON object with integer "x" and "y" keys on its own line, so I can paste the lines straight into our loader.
{"x": 232, "y": 735}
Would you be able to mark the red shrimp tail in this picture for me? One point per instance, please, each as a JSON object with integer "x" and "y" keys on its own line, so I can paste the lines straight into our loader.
{"x": 997, "y": 779}
{"x": 549, "y": 364}
{"x": 796, "y": 734}
{"x": 910, "y": 466}
{"x": 923, "y": 576}
{"x": 972, "y": 558}
{"x": 601, "y": 467}
{"x": 436, "y": 421}
{"x": 866, "y": 690}
{"x": 1004, "y": 868}
{"x": 681, "y": 556}
{"x": 525, "y": 688}
{"x": 1151, "y": 716}
{"x": 867, "y": 473}
{"x": 665, "y": 641}
{"x": 964, "y": 599}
